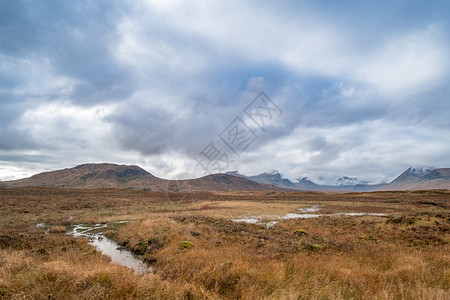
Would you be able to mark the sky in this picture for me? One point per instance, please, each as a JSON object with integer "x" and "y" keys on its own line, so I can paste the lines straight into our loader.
{"x": 317, "y": 89}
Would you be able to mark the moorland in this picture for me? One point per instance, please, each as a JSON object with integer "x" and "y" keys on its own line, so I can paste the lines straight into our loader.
{"x": 389, "y": 245}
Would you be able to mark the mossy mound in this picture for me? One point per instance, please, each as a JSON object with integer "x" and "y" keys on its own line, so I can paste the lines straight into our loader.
{"x": 186, "y": 245}
{"x": 315, "y": 247}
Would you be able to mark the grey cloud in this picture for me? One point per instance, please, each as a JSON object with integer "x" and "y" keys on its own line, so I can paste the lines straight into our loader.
{"x": 25, "y": 158}
{"x": 327, "y": 151}
{"x": 17, "y": 32}
{"x": 12, "y": 138}
{"x": 155, "y": 131}
{"x": 145, "y": 130}
{"x": 75, "y": 37}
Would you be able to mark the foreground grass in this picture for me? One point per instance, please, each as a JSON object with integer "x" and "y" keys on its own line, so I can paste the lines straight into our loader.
{"x": 337, "y": 258}
{"x": 403, "y": 256}
{"x": 61, "y": 268}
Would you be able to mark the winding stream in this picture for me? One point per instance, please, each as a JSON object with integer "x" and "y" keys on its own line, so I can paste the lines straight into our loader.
{"x": 118, "y": 254}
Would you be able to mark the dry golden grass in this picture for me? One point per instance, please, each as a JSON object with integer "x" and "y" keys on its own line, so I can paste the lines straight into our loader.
{"x": 83, "y": 275}
{"x": 403, "y": 256}
{"x": 58, "y": 229}
{"x": 246, "y": 261}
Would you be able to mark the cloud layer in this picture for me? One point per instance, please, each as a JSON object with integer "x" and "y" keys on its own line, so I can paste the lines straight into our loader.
{"x": 363, "y": 86}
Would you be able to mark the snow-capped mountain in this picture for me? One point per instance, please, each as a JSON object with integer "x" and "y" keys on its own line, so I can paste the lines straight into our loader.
{"x": 348, "y": 181}
{"x": 413, "y": 178}
{"x": 272, "y": 177}
{"x": 418, "y": 171}
{"x": 421, "y": 178}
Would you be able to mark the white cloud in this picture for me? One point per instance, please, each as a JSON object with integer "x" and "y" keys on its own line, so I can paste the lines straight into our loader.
{"x": 407, "y": 64}
{"x": 60, "y": 125}
{"x": 401, "y": 64}
{"x": 359, "y": 150}
{"x": 34, "y": 76}
{"x": 156, "y": 56}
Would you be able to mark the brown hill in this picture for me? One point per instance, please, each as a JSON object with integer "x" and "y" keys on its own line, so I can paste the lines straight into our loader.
{"x": 92, "y": 176}
{"x": 133, "y": 177}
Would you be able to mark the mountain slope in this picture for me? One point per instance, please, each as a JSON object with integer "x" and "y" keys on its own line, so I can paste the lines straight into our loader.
{"x": 273, "y": 178}
{"x": 224, "y": 182}
{"x": 421, "y": 179}
{"x": 407, "y": 179}
{"x": 307, "y": 185}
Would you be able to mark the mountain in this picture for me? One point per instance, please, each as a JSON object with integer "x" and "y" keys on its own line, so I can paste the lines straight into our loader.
{"x": 224, "y": 182}
{"x": 407, "y": 179}
{"x": 273, "y": 178}
{"x": 421, "y": 179}
{"x": 348, "y": 181}
{"x": 133, "y": 177}
{"x": 411, "y": 179}
{"x": 306, "y": 184}
{"x": 92, "y": 176}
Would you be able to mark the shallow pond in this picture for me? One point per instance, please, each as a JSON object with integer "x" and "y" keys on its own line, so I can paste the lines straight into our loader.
{"x": 306, "y": 213}
{"x": 118, "y": 254}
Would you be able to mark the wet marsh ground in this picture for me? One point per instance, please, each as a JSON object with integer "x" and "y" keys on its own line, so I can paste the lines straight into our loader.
{"x": 198, "y": 252}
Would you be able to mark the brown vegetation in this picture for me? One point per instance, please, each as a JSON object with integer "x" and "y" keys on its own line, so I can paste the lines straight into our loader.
{"x": 198, "y": 253}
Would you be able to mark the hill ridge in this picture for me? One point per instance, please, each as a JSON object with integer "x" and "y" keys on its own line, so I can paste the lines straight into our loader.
{"x": 108, "y": 175}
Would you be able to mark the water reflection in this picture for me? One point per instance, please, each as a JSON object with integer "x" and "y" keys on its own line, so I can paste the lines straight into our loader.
{"x": 118, "y": 254}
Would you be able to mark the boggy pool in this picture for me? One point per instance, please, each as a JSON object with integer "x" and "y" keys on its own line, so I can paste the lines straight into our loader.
{"x": 305, "y": 213}
{"x": 118, "y": 254}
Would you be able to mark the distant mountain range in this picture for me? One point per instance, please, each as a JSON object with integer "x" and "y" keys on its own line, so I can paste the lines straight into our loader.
{"x": 133, "y": 177}
{"x": 273, "y": 178}
{"x": 344, "y": 184}
{"x": 411, "y": 179}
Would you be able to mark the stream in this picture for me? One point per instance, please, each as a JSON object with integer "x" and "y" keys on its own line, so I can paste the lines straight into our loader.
{"x": 119, "y": 255}
{"x": 122, "y": 256}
